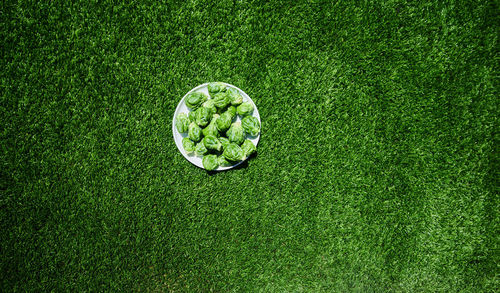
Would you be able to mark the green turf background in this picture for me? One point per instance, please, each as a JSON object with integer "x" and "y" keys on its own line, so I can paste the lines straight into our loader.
{"x": 377, "y": 167}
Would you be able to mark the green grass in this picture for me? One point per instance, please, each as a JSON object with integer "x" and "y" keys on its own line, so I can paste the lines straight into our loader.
{"x": 377, "y": 168}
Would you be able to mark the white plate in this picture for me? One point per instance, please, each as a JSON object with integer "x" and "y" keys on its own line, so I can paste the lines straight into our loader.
{"x": 182, "y": 108}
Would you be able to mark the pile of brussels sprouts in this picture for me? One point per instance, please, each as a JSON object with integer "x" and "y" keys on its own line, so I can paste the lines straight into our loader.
{"x": 211, "y": 132}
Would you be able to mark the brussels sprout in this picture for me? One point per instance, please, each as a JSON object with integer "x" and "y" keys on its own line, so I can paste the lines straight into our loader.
{"x": 202, "y": 116}
{"x": 195, "y": 100}
{"x": 224, "y": 121}
{"x": 221, "y": 100}
{"x": 248, "y": 148}
{"x": 192, "y": 116}
{"x": 194, "y": 132}
{"x": 212, "y": 143}
{"x": 200, "y": 149}
{"x": 234, "y": 96}
{"x": 215, "y": 87}
{"x": 236, "y": 133}
{"x": 222, "y": 161}
{"x": 210, "y": 162}
{"x": 211, "y": 129}
{"x": 251, "y": 125}
{"x": 209, "y": 104}
{"x": 232, "y": 111}
{"x": 233, "y": 152}
{"x": 245, "y": 109}
{"x": 224, "y": 142}
{"x": 182, "y": 122}
{"x": 188, "y": 145}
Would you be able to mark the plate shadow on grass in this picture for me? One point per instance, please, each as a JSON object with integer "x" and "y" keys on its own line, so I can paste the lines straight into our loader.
{"x": 240, "y": 166}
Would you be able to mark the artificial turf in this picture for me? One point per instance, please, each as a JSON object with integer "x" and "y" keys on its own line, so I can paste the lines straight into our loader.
{"x": 377, "y": 169}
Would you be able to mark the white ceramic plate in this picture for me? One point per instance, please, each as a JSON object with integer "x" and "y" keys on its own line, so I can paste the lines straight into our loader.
{"x": 182, "y": 108}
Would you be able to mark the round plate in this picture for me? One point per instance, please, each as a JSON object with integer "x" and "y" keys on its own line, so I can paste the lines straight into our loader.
{"x": 182, "y": 108}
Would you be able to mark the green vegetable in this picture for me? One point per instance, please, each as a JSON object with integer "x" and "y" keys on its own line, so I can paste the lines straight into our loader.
{"x": 234, "y": 96}
{"x": 251, "y": 125}
{"x": 236, "y": 133}
{"x": 194, "y": 132}
{"x": 232, "y": 111}
{"x": 202, "y": 116}
{"x": 245, "y": 109}
{"x": 224, "y": 121}
{"x": 191, "y": 116}
{"x": 222, "y": 161}
{"x": 195, "y": 100}
{"x": 210, "y": 162}
{"x": 233, "y": 152}
{"x": 182, "y": 122}
{"x": 211, "y": 133}
{"x": 216, "y": 87}
{"x": 212, "y": 143}
{"x": 209, "y": 104}
{"x": 224, "y": 141}
{"x": 188, "y": 145}
{"x": 221, "y": 100}
{"x": 200, "y": 149}
{"x": 248, "y": 148}
{"x": 211, "y": 129}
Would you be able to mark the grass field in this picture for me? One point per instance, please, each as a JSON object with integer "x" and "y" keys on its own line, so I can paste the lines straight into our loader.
{"x": 377, "y": 168}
